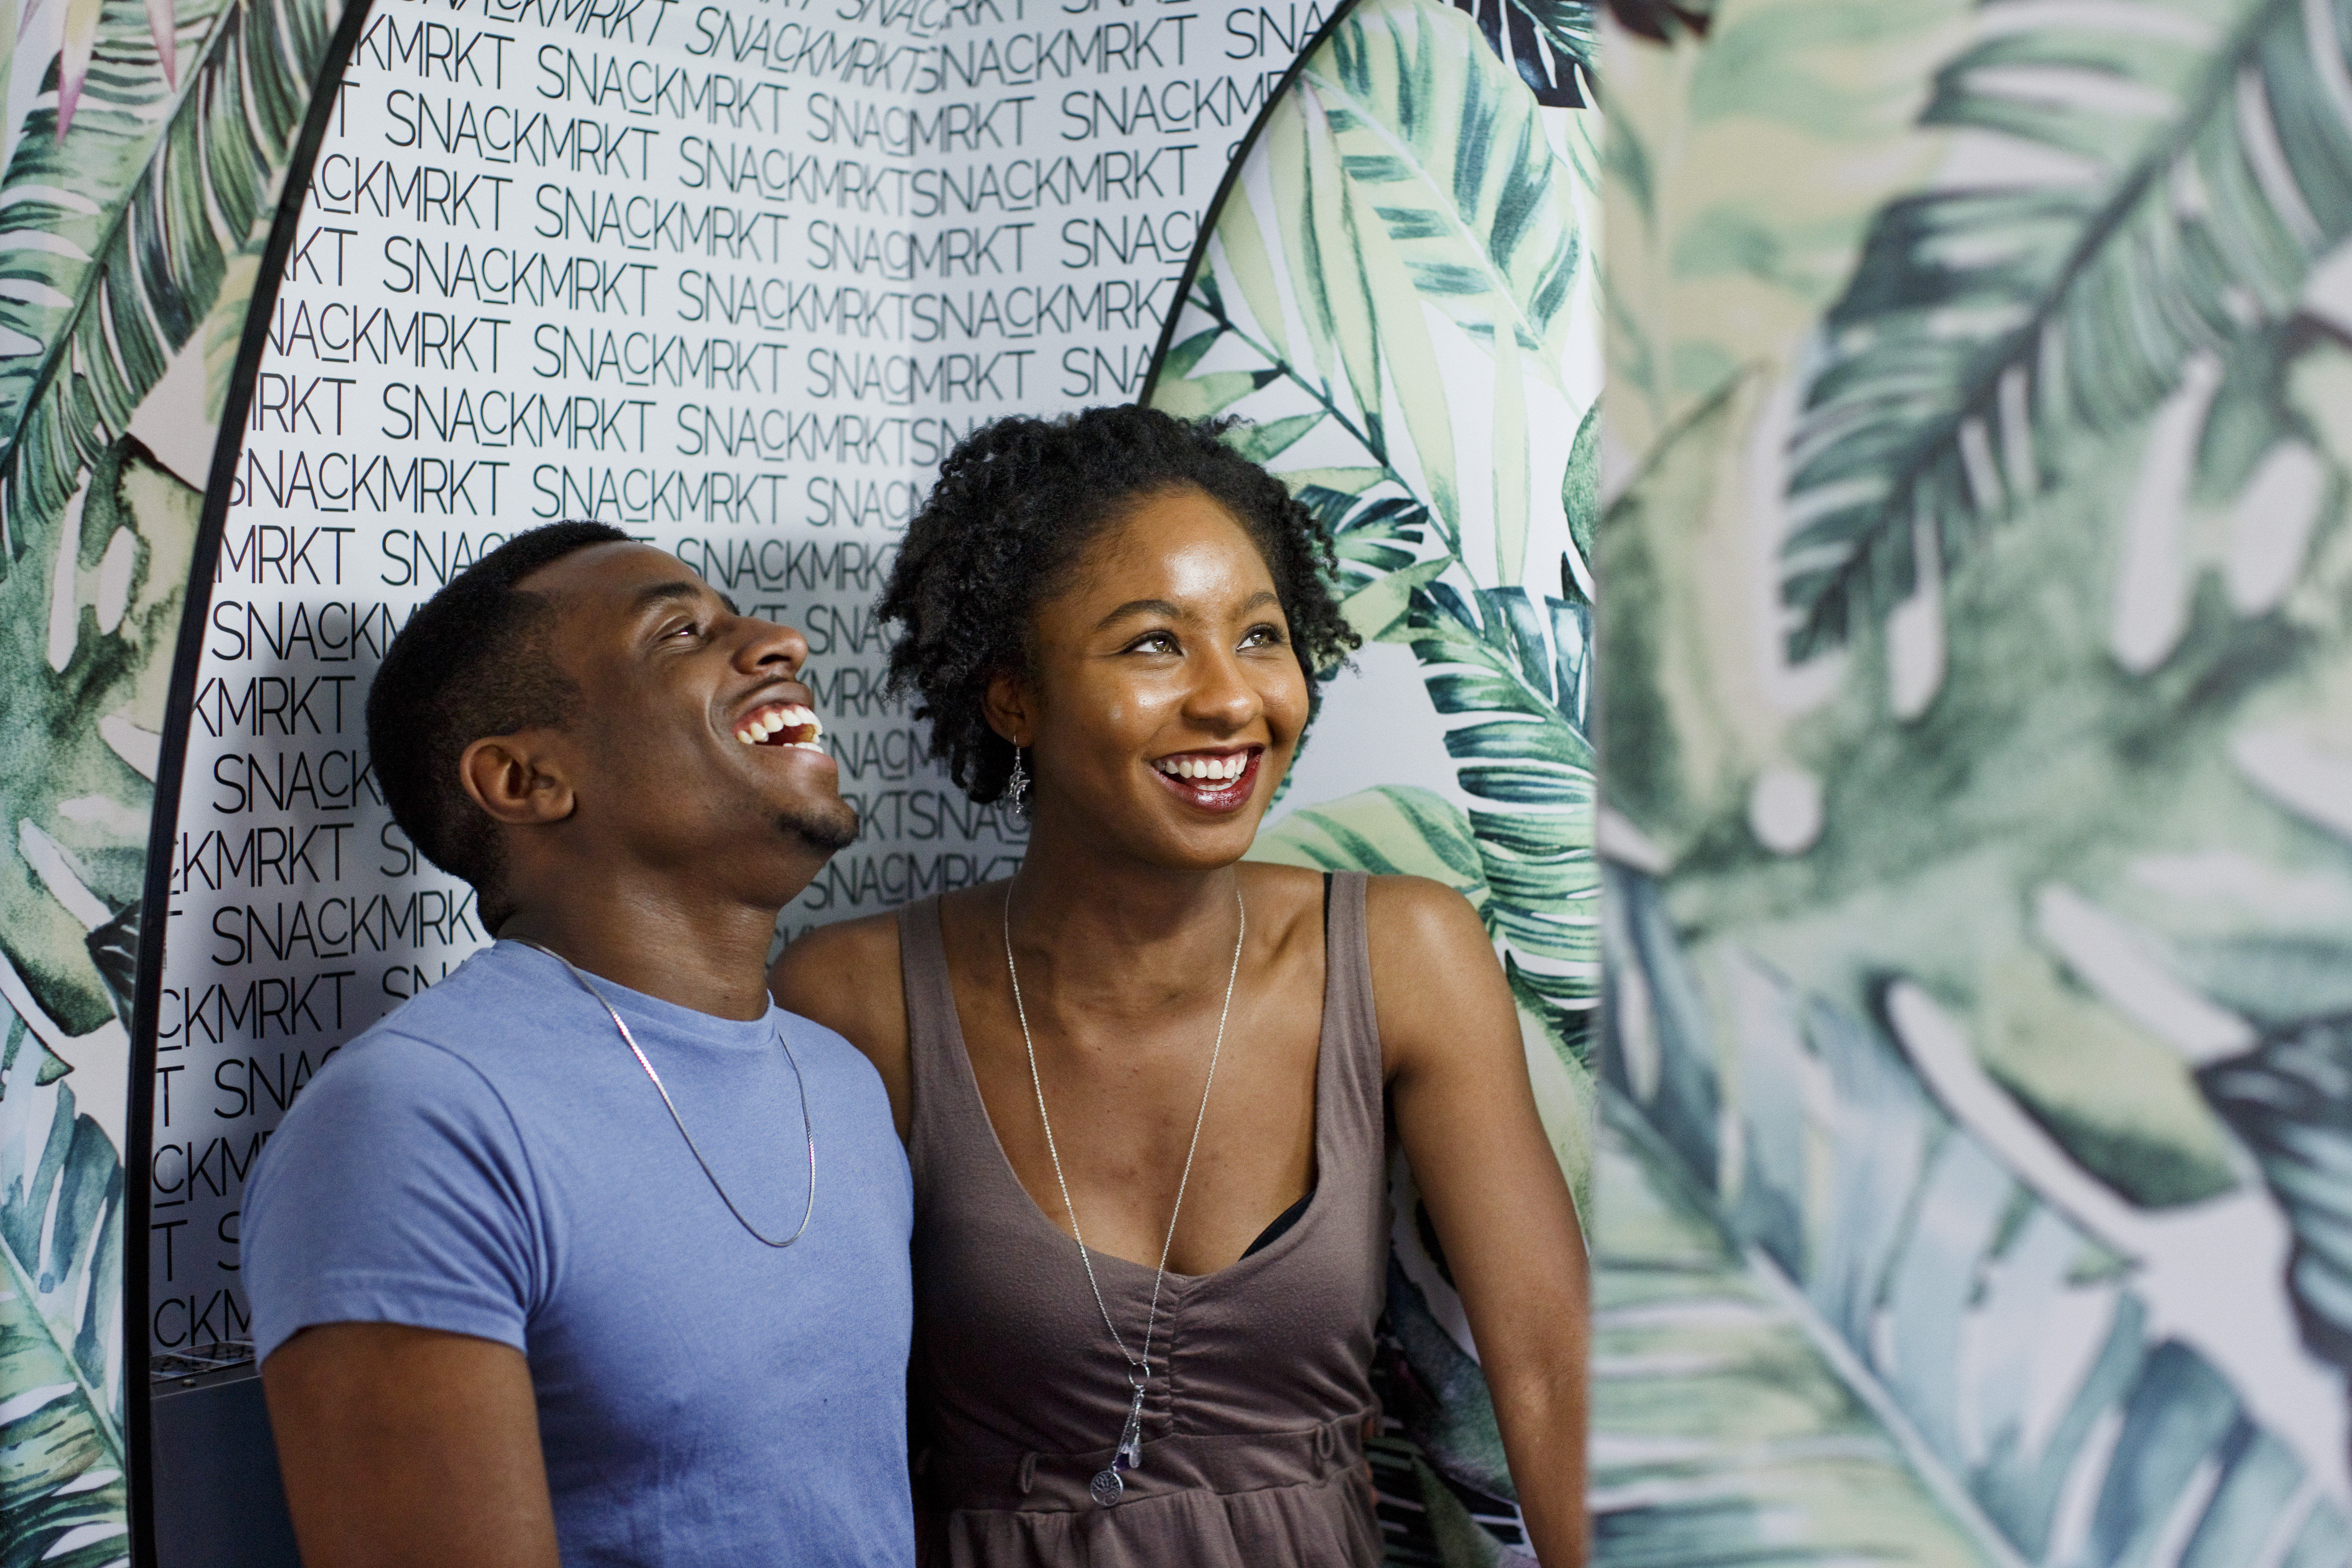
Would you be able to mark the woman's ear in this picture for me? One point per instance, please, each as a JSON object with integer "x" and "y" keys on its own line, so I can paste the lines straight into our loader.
{"x": 1009, "y": 707}
{"x": 516, "y": 779}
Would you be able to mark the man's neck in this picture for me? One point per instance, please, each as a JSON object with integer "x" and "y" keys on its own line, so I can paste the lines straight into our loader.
{"x": 709, "y": 959}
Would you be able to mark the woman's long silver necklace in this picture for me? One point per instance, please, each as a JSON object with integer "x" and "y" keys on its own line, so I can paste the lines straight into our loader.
{"x": 1108, "y": 1485}
{"x": 630, "y": 1040}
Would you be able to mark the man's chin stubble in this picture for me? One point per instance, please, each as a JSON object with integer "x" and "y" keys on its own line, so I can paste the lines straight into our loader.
{"x": 828, "y": 831}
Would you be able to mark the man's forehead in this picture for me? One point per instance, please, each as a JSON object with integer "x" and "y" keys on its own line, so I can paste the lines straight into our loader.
{"x": 605, "y": 591}
{"x": 618, "y": 571}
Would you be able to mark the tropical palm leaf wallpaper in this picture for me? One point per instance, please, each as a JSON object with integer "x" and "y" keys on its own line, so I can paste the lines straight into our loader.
{"x": 1976, "y": 457}
{"x": 1398, "y": 293}
{"x": 148, "y": 149}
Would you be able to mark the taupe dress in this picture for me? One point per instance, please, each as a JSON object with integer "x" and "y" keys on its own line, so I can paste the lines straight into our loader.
{"x": 1253, "y": 1449}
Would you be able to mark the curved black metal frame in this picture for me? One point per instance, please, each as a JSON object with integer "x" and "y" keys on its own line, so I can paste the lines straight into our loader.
{"x": 1224, "y": 188}
{"x": 155, "y": 902}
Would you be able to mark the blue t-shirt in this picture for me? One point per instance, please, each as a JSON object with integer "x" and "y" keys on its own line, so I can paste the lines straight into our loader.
{"x": 490, "y": 1159}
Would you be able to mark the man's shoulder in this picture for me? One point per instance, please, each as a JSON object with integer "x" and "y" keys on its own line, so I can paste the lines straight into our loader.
{"x": 492, "y": 997}
{"x": 384, "y": 1079}
{"x": 832, "y": 1052}
{"x": 438, "y": 1047}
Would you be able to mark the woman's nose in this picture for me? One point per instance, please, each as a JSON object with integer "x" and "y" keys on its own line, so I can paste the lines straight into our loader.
{"x": 1224, "y": 695}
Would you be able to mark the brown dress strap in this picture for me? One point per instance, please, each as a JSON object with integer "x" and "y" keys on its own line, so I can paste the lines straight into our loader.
{"x": 948, "y": 1127}
{"x": 1352, "y": 1029}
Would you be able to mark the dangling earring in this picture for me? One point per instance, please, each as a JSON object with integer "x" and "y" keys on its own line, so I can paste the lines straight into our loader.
{"x": 1016, "y": 788}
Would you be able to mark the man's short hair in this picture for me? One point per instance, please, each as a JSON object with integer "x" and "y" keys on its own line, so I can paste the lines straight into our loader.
{"x": 473, "y": 660}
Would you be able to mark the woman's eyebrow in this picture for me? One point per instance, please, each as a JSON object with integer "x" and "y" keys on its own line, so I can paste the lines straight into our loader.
{"x": 1141, "y": 608}
{"x": 1165, "y": 607}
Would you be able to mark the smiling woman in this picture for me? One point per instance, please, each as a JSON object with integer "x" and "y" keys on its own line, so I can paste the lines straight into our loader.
{"x": 1145, "y": 1087}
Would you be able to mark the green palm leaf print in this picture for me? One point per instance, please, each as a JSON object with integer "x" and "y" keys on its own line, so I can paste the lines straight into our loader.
{"x": 68, "y": 186}
{"x": 95, "y": 539}
{"x": 62, "y": 1368}
{"x": 2144, "y": 188}
{"x": 1553, "y": 45}
{"x": 135, "y": 207}
{"x": 157, "y": 257}
{"x": 1316, "y": 323}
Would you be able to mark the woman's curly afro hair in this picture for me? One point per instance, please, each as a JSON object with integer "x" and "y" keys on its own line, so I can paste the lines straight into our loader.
{"x": 1017, "y": 502}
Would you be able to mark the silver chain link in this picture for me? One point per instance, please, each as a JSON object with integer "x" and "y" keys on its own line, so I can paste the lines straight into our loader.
{"x": 1139, "y": 1372}
{"x": 807, "y": 1126}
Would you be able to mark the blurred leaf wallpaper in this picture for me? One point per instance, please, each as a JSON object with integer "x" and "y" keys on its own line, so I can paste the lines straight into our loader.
{"x": 1974, "y": 696}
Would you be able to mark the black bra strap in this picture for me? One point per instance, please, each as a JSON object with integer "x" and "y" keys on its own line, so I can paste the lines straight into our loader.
{"x": 1282, "y": 1222}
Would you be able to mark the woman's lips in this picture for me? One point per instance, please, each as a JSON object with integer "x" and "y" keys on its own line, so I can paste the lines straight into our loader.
{"x": 1216, "y": 791}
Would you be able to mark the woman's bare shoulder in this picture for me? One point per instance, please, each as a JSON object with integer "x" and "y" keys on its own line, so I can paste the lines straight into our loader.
{"x": 1290, "y": 890}
{"x": 1419, "y": 916}
{"x": 1270, "y": 875}
{"x": 1437, "y": 985}
{"x": 1286, "y": 904}
{"x": 845, "y": 976}
{"x": 866, "y": 937}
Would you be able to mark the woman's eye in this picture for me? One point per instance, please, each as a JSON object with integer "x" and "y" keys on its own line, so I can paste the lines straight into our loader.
{"x": 1262, "y": 636}
{"x": 1154, "y": 642}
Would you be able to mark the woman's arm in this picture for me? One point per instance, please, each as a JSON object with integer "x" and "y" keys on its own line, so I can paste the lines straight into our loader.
{"x": 1458, "y": 1083}
{"x": 846, "y": 977}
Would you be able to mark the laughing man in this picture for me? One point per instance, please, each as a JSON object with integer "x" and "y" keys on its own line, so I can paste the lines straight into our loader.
{"x": 529, "y": 1285}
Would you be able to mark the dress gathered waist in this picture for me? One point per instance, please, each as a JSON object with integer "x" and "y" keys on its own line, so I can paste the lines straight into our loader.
{"x": 1222, "y": 1464}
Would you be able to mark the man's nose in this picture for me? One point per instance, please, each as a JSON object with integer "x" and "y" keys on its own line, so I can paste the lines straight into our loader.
{"x": 768, "y": 644}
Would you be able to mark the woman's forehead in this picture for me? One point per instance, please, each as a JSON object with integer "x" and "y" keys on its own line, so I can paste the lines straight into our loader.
{"x": 1182, "y": 544}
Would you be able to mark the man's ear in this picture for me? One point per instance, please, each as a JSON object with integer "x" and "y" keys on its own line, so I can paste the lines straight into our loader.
{"x": 1008, "y": 707}
{"x": 517, "y": 779}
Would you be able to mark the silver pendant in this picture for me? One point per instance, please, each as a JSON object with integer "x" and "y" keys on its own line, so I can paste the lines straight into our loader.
{"x": 1129, "y": 1456}
{"x": 1108, "y": 1486}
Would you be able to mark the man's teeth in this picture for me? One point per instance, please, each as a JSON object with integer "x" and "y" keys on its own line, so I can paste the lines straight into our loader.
{"x": 767, "y": 722}
{"x": 1218, "y": 769}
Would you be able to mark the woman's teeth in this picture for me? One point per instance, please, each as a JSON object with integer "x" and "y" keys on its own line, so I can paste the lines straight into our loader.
{"x": 1221, "y": 769}
{"x": 796, "y": 723}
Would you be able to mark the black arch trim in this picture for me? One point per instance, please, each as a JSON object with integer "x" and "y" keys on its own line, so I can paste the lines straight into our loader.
{"x": 155, "y": 902}
{"x": 1194, "y": 263}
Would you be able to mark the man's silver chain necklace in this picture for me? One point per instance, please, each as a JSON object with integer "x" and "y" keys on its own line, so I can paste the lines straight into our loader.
{"x": 630, "y": 1040}
{"x": 1108, "y": 1487}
